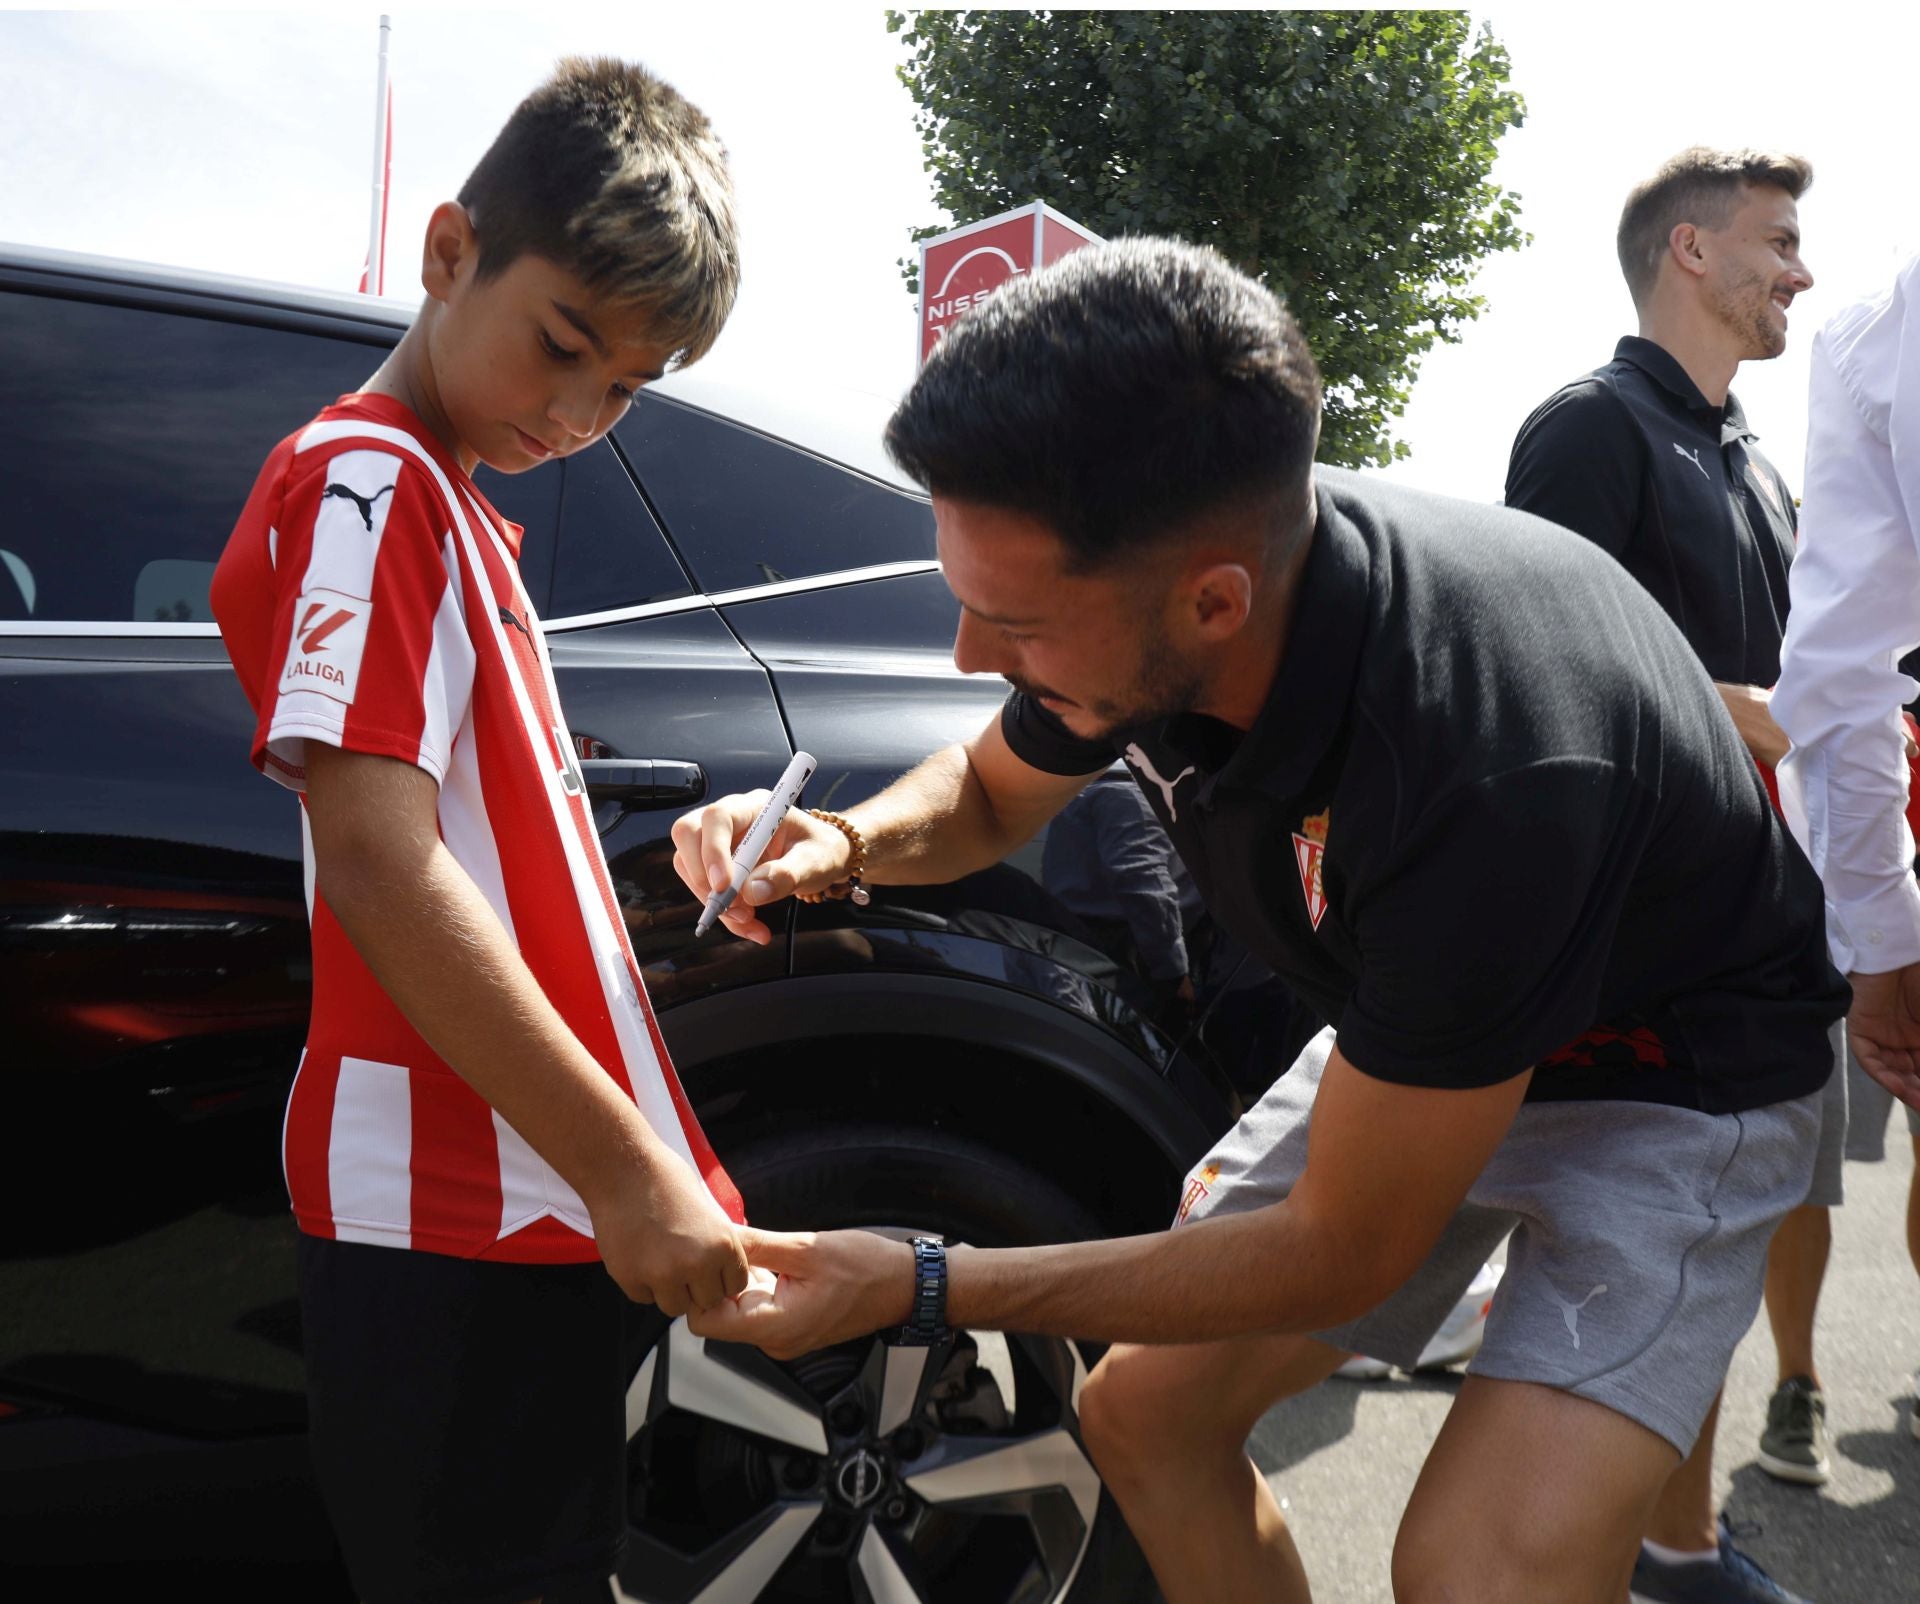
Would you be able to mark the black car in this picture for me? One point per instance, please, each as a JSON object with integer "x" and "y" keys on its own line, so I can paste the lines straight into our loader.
{"x": 727, "y": 578}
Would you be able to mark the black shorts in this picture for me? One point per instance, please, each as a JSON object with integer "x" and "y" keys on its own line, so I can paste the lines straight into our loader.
{"x": 467, "y": 1420}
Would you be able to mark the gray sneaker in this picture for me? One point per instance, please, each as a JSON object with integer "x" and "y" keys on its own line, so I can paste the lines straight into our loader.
{"x": 1794, "y": 1445}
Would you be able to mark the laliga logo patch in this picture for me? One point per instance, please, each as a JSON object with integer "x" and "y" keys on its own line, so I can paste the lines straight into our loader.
{"x": 1199, "y": 1185}
{"x": 329, "y": 634}
{"x": 1309, "y": 851}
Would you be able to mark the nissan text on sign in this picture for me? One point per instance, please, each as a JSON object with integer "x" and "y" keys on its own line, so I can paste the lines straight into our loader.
{"x": 961, "y": 268}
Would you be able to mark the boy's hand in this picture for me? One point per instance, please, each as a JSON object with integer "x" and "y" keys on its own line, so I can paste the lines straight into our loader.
{"x": 833, "y": 1286}
{"x": 666, "y": 1243}
{"x": 804, "y": 854}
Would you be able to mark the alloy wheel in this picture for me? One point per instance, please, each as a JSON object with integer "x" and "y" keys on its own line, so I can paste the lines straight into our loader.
{"x": 871, "y": 1472}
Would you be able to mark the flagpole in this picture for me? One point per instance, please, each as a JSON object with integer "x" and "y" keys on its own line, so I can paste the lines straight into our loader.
{"x": 382, "y": 129}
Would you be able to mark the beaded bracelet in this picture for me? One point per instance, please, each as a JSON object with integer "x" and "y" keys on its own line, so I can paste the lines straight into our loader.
{"x": 856, "y": 866}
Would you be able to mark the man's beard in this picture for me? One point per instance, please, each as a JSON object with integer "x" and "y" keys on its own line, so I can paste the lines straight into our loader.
{"x": 1736, "y": 309}
{"x": 1164, "y": 683}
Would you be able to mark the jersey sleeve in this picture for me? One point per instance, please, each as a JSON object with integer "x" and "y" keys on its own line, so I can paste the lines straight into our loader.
{"x": 1576, "y": 463}
{"x": 1484, "y": 939}
{"x": 370, "y": 649}
{"x": 1041, "y": 741}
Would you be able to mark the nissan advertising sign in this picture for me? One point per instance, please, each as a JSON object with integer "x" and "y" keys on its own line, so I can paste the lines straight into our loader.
{"x": 961, "y": 268}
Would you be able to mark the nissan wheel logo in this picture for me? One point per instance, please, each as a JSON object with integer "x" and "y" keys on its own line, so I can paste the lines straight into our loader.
{"x": 860, "y": 1479}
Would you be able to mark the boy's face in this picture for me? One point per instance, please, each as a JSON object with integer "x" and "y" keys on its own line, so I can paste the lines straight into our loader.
{"x": 529, "y": 365}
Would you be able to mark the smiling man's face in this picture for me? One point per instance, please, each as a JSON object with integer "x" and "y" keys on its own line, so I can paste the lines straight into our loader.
{"x": 1754, "y": 269}
{"x": 531, "y": 365}
{"x": 1094, "y": 649}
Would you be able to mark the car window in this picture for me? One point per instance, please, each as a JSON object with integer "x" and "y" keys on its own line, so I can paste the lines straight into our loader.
{"x": 611, "y": 553}
{"x": 128, "y": 442}
{"x": 129, "y": 439}
{"x": 531, "y": 500}
{"x": 743, "y": 509}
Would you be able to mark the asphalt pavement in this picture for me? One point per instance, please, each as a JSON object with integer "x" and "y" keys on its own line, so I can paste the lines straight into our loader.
{"x": 1344, "y": 1457}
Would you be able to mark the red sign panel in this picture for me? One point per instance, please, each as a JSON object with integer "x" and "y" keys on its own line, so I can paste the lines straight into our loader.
{"x": 961, "y": 269}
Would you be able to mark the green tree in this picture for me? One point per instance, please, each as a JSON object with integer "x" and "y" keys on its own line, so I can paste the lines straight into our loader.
{"x": 1341, "y": 157}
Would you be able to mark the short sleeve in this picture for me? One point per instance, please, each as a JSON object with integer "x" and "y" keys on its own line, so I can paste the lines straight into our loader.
{"x": 1041, "y": 741}
{"x": 1576, "y": 463}
{"x": 370, "y": 649}
{"x": 1485, "y": 938}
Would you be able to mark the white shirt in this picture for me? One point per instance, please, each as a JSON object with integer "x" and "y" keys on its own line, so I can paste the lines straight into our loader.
{"x": 1855, "y": 591}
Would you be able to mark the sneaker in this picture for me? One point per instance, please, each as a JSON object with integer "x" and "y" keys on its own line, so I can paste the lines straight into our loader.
{"x": 1794, "y": 1445}
{"x": 1728, "y": 1578}
{"x": 1458, "y": 1337}
{"x": 1361, "y": 1368}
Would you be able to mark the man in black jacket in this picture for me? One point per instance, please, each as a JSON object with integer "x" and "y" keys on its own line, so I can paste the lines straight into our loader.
{"x": 1651, "y": 458}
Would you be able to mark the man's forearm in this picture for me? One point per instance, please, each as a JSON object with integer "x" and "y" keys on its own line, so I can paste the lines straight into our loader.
{"x": 1262, "y": 1271}
{"x": 934, "y": 824}
{"x": 438, "y": 950}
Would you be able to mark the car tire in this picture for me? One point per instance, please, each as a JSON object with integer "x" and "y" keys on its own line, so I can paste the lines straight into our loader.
{"x": 732, "y": 1499}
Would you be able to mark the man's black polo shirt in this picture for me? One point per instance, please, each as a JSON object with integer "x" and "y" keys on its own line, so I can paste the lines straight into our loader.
{"x": 1636, "y": 459}
{"x": 1493, "y": 815}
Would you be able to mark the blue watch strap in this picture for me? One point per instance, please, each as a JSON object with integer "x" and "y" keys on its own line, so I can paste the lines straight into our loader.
{"x": 927, "y": 1324}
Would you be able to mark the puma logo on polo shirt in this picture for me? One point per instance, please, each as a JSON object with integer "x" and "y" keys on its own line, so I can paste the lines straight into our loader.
{"x": 1309, "y": 851}
{"x": 1144, "y": 764}
{"x": 1693, "y": 456}
{"x": 1570, "y": 1312}
{"x": 364, "y": 503}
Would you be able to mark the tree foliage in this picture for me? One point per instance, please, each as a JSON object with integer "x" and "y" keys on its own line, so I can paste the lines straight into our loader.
{"x": 1342, "y": 157}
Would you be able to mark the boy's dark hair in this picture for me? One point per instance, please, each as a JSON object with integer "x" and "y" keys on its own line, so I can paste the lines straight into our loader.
{"x": 1116, "y": 396}
{"x": 1701, "y": 186}
{"x": 609, "y": 172}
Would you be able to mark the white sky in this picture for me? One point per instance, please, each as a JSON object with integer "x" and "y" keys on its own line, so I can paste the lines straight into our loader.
{"x": 242, "y": 142}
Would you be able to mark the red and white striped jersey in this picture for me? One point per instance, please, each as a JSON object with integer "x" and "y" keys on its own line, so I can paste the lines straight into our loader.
{"x": 370, "y": 598}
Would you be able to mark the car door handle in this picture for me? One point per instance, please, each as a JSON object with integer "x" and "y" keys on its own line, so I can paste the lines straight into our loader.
{"x": 640, "y": 782}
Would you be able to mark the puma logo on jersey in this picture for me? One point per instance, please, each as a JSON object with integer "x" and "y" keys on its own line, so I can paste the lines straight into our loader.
{"x": 364, "y": 503}
{"x": 1693, "y": 456}
{"x": 509, "y": 616}
{"x": 1570, "y": 1312}
{"x": 1144, "y": 764}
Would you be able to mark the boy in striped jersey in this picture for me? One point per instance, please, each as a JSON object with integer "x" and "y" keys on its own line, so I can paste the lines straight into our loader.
{"x": 485, "y": 1112}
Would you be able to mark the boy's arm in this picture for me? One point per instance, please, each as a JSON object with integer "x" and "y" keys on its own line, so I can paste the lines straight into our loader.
{"x": 438, "y": 950}
{"x": 962, "y": 810}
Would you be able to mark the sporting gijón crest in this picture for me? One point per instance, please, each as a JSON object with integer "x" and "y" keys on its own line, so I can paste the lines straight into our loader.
{"x": 1309, "y": 852}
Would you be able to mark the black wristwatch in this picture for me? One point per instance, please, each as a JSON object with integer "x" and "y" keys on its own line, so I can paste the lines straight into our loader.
{"x": 927, "y": 1324}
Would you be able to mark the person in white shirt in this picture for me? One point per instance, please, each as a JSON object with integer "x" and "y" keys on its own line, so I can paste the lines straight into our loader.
{"x": 1855, "y": 613}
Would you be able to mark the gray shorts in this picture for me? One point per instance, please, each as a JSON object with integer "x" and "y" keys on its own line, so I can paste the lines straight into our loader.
{"x": 1639, "y": 1240}
{"x": 1868, "y": 1104}
{"x": 1829, "y": 1163}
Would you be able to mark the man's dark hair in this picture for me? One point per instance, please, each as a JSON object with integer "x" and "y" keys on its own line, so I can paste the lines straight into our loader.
{"x": 609, "y": 172}
{"x": 1116, "y": 396}
{"x": 1701, "y": 186}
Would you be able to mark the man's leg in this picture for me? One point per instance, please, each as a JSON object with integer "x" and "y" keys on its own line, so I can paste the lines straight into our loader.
{"x": 1168, "y": 1427}
{"x": 1530, "y": 1496}
{"x": 1793, "y": 1447}
{"x": 1913, "y": 1252}
{"x": 1683, "y": 1515}
{"x": 1796, "y": 1266}
{"x": 1913, "y": 1209}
